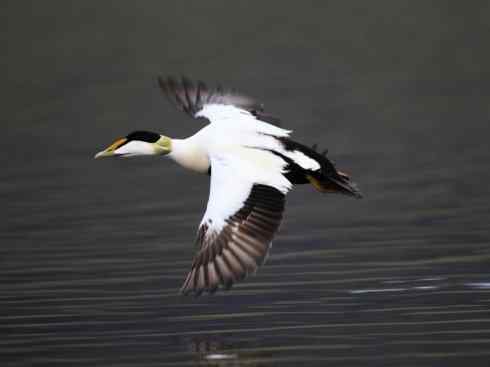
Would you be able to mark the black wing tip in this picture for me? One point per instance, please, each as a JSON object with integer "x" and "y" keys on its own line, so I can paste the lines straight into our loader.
{"x": 197, "y": 292}
{"x": 357, "y": 194}
{"x": 183, "y": 92}
{"x": 191, "y": 95}
{"x": 166, "y": 82}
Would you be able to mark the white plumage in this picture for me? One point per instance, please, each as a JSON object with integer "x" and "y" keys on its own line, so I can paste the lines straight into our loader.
{"x": 252, "y": 163}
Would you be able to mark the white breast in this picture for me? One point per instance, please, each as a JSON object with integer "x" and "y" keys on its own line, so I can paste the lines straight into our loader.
{"x": 190, "y": 154}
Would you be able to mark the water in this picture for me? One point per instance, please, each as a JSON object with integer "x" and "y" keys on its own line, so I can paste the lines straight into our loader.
{"x": 93, "y": 252}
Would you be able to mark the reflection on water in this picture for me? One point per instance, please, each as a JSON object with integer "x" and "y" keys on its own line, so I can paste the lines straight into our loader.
{"x": 213, "y": 352}
{"x": 93, "y": 253}
{"x": 479, "y": 285}
{"x": 423, "y": 284}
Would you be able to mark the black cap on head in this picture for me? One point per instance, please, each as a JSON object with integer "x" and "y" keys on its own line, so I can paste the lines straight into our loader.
{"x": 148, "y": 136}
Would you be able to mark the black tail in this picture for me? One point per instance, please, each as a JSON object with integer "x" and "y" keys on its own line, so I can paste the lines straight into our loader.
{"x": 338, "y": 183}
{"x": 327, "y": 179}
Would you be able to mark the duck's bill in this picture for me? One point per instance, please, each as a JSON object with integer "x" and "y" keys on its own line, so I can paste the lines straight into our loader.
{"x": 104, "y": 154}
{"x": 110, "y": 151}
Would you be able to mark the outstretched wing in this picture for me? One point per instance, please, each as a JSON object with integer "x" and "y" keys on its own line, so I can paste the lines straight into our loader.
{"x": 195, "y": 99}
{"x": 244, "y": 212}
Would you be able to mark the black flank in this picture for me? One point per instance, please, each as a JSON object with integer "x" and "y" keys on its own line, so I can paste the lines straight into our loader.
{"x": 327, "y": 167}
{"x": 294, "y": 173}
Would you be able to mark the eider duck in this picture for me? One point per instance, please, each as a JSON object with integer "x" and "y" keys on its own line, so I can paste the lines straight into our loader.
{"x": 252, "y": 163}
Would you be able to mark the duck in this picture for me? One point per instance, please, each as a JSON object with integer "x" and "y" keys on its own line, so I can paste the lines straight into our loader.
{"x": 252, "y": 162}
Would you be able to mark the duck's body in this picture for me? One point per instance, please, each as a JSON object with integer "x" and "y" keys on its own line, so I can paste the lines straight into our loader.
{"x": 252, "y": 163}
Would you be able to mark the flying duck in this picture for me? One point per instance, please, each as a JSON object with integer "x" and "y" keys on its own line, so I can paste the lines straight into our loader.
{"x": 253, "y": 163}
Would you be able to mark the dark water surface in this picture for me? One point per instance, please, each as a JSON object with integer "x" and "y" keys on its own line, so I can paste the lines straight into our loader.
{"x": 93, "y": 252}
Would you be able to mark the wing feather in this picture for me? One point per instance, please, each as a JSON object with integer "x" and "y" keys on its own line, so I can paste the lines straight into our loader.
{"x": 194, "y": 97}
{"x": 235, "y": 234}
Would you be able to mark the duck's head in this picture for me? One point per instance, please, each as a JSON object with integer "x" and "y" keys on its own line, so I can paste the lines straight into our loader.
{"x": 138, "y": 143}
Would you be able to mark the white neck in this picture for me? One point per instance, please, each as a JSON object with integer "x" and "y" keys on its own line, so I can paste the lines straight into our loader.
{"x": 190, "y": 155}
